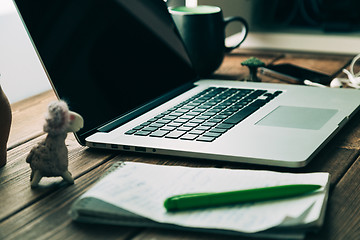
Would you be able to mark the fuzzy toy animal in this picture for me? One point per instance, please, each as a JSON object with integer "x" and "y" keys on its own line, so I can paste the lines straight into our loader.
{"x": 50, "y": 157}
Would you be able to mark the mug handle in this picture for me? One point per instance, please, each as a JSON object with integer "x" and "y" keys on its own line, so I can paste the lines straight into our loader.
{"x": 245, "y": 30}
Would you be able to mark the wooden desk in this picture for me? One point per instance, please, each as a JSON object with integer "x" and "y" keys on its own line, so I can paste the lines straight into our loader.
{"x": 42, "y": 213}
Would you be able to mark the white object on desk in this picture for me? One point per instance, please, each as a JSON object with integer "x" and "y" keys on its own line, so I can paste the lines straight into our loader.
{"x": 134, "y": 195}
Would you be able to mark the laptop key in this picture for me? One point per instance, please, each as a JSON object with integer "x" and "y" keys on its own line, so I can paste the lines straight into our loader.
{"x": 209, "y": 113}
{"x": 257, "y": 93}
{"x": 205, "y": 139}
{"x": 203, "y": 128}
{"x": 187, "y": 107}
{"x": 138, "y": 127}
{"x": 196, "y": 132}
{"x": 168, "y": 128}
{"x": 157, "y": 125}
{"x": 209, "y": 124}
{"x": 191, "y": 124}
{"x": 174, "y": 124}
{"x": 145, "y": 123}
{"x": 181, "y": 120}
{"x": 186, "y": 116}
{"x": 183, "y": 128}
{"x": 218, "y": 130}
{"x": 197, "y": 121}
{"x": 225, "y": 125}
{"x": 215, "y": 120}
{"x": 176, "y": 114}
{"x": 130, "y": 132}
{"x": 159, "y": 116}
{"x": 277, "y": 93}
{"x": 159, "y": 133}
{"x": 220, "y": 116}
{"x": 150, "y": 129}
{"x": 259, "y": 103}
{"x": 212, "y": 134}
{"x": 192, "y": 113}
{"x": 189, "y": 136}
{"x": 202, "y": 117}
{"x": 182, "y": 110}
{"x": 142, "y": 133}
{"x": 241, "y": 115}
{"x": 163, "y": 121}
{"x": 169, "y": 117}
{"x": 206, "y": 115}
{"x": 175, "y": 134}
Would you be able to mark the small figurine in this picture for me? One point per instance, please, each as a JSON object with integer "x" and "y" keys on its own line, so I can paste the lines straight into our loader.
{"x": 253, "y": 63}
{"x": 50, "y": 157}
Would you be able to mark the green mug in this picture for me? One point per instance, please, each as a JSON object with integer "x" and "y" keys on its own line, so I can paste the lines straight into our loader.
{"x": 202, "y": 30}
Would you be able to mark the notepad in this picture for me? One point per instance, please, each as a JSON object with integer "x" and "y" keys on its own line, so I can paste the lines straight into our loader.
{"x": 133, "y": 194}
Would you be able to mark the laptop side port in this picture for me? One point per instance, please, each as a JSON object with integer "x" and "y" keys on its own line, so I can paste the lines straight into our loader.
{"x": 126, "y": 147}
{"x": 114, "y": 146}
{"x": 99, "y": 145}
{"x": 140, "y": 149}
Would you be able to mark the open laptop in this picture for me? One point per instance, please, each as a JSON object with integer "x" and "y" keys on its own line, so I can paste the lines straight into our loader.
{"x": 122, "y": 65}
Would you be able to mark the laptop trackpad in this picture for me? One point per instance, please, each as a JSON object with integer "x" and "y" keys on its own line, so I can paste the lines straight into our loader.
{"x": 298, "y": 117}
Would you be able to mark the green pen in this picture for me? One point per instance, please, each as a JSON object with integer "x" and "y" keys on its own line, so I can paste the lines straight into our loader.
{"x": 202, "y": 200}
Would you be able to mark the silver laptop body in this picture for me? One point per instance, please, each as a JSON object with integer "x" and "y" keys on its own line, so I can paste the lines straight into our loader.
{"x": 121, "y": 63}
{"x": 285, "y": 132}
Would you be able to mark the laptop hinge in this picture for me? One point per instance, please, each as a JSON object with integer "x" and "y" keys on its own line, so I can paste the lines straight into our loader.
{"x": 145, "y": 108}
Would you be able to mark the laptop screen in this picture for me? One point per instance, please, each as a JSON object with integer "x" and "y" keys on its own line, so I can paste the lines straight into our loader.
{"x": 107, "y": 57}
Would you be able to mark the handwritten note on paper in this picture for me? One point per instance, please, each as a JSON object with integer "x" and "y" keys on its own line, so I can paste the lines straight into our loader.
{"x": 142, "y": 188}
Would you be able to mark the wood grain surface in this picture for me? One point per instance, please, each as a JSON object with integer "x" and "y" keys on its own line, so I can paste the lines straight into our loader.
{"x": 42, "y": 213}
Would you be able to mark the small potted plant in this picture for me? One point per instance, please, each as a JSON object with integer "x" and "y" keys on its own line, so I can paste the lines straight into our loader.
{"x": 5, "y": 123}
{"x": 253, "y": 64}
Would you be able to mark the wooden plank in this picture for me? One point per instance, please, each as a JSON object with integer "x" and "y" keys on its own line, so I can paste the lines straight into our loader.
{"x": 64, "y": 228}
{"x": 49, "y": 219}
{"x": 231, "y": 68}
{"x": 342, "y": 216}
{"x": 27, "y": 213}
{"x": 16, "y": 193}
{"x": 349, "y": 136}
{"x": 28, "y": 118}
{"x": 47, "y": 213}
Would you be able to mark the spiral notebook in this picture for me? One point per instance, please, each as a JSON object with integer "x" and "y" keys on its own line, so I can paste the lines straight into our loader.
{"x": 132, "y": 194}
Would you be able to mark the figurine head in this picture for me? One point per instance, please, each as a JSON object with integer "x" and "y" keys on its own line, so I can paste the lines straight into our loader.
{"x": 60, "y": 120}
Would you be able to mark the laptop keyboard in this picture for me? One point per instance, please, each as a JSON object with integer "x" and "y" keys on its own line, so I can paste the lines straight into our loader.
{"x": 205, "y": 116}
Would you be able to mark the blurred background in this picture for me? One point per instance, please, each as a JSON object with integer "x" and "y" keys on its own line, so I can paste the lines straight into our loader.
{"x": 22, "y": 75}
{"x": 298, "y": 25}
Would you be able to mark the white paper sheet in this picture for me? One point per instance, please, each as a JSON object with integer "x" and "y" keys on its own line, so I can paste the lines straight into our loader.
{"x": 142, "y": 188}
